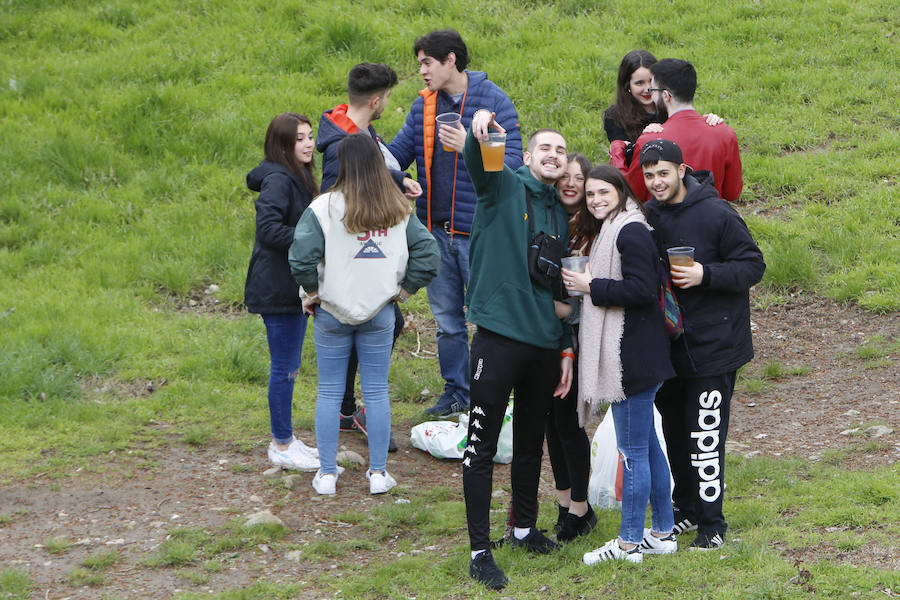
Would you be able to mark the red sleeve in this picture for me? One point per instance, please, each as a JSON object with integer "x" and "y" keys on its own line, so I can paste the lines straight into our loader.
{"x": 633, "y": 173}
{"x": 734, "y": 181}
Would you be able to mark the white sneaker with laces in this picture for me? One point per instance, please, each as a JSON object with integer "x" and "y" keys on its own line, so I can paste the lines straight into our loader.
{"x": 293, "y": 458}
{"x": 612, "y": 551}
{"x": 326, "y": 483}
{"x": 314, "y": 452}
{"x": 655, "y": 545}
{"x": 380, "y": 482}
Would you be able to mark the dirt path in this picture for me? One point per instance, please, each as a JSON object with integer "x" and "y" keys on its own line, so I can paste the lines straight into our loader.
{"x": 132, "y": 508}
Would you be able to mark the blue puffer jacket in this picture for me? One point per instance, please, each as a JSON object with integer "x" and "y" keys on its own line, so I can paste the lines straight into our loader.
{"x": 416, "y": 139}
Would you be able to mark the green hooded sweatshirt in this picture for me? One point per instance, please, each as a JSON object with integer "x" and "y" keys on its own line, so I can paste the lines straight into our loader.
{"x": 501, "y": 296}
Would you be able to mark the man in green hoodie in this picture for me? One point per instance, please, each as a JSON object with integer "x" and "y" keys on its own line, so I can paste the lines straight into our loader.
{"x": 520, "y": 345}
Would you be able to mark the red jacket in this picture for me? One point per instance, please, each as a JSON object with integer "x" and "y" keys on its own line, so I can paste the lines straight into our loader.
{"x": 713, "y": 149}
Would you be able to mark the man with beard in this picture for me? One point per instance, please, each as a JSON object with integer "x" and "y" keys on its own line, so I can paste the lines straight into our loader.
{"x": 368, "y": 89}
{"x": 714, "y": 149}
{"x": 714, "y": 297}
{"x": 520, "y": 345}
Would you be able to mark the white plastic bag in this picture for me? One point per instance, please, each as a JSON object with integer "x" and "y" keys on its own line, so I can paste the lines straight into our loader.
{"x": 446, "y": 439}
{"x": 605, "y": 484}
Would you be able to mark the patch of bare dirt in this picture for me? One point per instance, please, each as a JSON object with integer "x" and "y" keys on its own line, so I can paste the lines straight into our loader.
{"x": 136, "y": 501}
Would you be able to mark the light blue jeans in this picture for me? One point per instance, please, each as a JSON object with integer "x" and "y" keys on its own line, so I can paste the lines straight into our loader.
{"x": 372, "y": 340}
{"x": 645, "y": 474}
{"x": 446, "y": 294}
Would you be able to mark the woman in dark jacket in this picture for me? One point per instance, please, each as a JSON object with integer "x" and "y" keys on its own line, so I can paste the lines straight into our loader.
{"x": 624, "y": 358}
{"x": 284, "y": 180}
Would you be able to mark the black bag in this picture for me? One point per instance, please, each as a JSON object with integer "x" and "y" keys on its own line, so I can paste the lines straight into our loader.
{"x": 545, "y": 252}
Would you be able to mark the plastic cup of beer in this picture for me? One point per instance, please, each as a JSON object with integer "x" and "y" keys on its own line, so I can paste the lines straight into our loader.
{"x": 577, "y": 264}
{"x": 493, "y": 150}
{"x": 683, "y": 256}
{"x": 448, "y": 119}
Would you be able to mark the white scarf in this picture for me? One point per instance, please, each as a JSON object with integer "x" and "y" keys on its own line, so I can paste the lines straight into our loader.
{"x": 600, "y": 335}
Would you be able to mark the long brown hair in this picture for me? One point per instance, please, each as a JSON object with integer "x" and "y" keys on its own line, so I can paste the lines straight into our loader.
{"x": 281, "y": 139}
{"x": 585, "y": 223}
{"x": 371, "y": 198}
{"x": 626, "y": 110}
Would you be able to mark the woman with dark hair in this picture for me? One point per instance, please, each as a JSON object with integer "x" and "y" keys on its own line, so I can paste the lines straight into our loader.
{"x": 624, "y": 358}
{"x": 633, "y": 109}
{"x": 355, "y": 252}
{"x": 285, "y": 182}
{"x": 567, "y": 442}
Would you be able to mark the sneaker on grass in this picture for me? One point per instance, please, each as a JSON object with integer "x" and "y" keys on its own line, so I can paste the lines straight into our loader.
{"x": 380, "y": 482}
{"x": 708, "y": 541}
{"x": 575, "y": 526}
{"x": 348, "y": 423}
{"x": 359, "y": 424}
{"x": 326, "y": 483}
{"x": 535, "y": 542}
{"x": 446, "y": 407}
{"x": 611, "y": 550}
{"x": 656, "y": 545}
{"x": 484, "y": 570}
{"x": 297, "y": 456}
{"x": 683, "y": 522}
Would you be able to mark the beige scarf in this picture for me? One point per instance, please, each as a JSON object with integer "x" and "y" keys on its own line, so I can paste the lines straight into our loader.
{"x": 600, "y": 335}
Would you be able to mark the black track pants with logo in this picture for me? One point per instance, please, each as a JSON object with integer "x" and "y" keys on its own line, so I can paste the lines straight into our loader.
{"x": 695, "y": 415}
{"x": 500, "y": 365}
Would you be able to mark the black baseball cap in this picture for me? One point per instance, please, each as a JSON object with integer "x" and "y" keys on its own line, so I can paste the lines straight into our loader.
{"x": 660, "y": 149}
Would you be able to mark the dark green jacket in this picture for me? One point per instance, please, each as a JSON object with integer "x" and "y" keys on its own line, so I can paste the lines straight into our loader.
{"x": 500, "y": 296}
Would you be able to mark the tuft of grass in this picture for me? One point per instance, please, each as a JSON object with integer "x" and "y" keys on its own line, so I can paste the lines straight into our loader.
{"x": 101, "y": 561}
{"x": 59, "y": 545}
{"x": 15, "y": 584}
{"x": 194, "y": 576}
{"x": 174, "y": 552}
{"x": 79, "y": 577}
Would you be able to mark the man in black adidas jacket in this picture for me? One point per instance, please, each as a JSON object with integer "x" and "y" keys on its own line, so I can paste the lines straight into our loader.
{"x": 715, "y": 302}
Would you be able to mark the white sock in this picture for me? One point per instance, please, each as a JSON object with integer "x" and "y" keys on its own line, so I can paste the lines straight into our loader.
{"x": 521, "y": 532}
{"x": 476, "y": 553}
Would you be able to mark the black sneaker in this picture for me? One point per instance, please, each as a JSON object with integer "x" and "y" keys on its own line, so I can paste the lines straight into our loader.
{"x": 562, "y": 511}
{"x": 708, "y": 541}
{"x": 683, "y": 522}
{"x": 535, "y": 542}
{"x": 575, "y": 526}
{"x": 484, "y": 570}
{"x": 347, "y": 423}
{"x": 359, "y": 422}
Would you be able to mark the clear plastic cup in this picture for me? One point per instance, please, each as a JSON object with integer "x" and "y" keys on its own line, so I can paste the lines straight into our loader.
{"x": 577, "y": 264}
{"x": 448, "y": 119}
{"x": 683, "y": 256}
{"x": 493, "y": 150}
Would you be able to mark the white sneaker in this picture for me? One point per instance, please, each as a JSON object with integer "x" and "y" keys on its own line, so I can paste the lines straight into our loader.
{"x": 612, "y": 551}
{"x": 326, "y": 483}
{"x": 380, "y": 483}
{"x": 655, "y": 545}
{"x": 314, "y": 452}
{"x": 293, "y": 458}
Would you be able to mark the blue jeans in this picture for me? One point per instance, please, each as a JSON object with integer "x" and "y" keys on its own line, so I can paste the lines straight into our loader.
{"x": 645, "y": 475}
{"x": 285, "y": 336}
{"x": 334, "y": 341}
{"x": 446, "y": 295}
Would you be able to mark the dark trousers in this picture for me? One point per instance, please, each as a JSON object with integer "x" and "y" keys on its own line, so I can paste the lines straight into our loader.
{"x": 695, "y": 416}
{"x": 500, "y": 365}
{"x": 348, "y": 406}
{"x": 568, "y": 445}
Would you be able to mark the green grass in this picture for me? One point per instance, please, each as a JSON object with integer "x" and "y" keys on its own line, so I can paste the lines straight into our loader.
{"x": 128, "y": 129}
{"x": 15, "y": 584}
{"x": 102, "y": 560}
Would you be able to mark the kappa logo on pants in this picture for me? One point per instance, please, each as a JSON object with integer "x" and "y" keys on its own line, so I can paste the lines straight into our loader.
{"x": 480, "y": 366}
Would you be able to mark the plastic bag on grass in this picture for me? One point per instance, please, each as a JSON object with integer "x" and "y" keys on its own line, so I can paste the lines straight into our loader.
{"x": 605, "y": 484}
{"x": 446, "y": 439}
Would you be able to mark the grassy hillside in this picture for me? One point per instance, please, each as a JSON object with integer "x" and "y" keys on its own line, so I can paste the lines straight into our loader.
{"x": 128, "y": 128}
